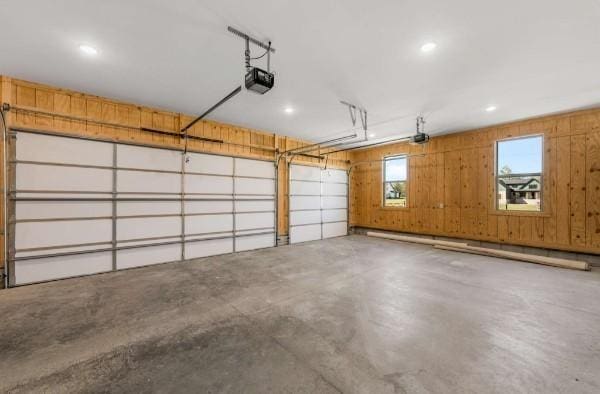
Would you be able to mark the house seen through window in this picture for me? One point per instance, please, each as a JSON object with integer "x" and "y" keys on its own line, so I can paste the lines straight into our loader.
{"x": 394, "y": 181}
{"x": 519, "y": 174}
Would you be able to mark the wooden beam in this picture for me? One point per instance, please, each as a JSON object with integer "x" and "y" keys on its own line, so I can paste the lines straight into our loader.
{"x": 424, "y": 241}
{"x": 551, "y": 261}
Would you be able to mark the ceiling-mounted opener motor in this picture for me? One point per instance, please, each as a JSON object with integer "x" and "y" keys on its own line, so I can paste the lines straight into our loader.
{"x": 257, "y": 79}
{"x": 420, "y": 137}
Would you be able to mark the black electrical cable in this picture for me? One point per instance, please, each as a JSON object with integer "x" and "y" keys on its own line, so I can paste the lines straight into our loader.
{"x": 263, "y": 55}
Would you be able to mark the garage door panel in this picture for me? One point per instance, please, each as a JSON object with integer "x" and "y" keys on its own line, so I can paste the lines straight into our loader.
{"x": 334, "y": 202}
{"x": 195, "y": 207}
{"x": 254, "y": 186}
{"x": 45, "y": 148}
{"x": 334, "y": 189}
{"x": 209, "y": 164}
{"x": 304, "y": 202}
{"x": 59, "y": 195}
{"x": 61, "y": 209}
{"x": 305, "y": 173}
{"x": 254, "y": 168}
{"x": 305, "y": 233}
{"x": 65, "y": 232}
{"x": 207, "y": 248}
{"x": 300, "y": 188}
{"x": 252, "y": 206}
{"x": 39, "y": 270}
{"x": 208, "y": 184}
{"x": 149, "y": 255}
{"x": 208, "y": 224}
{"x": 305, "y": 217}
{"x": 248, "y": 221}
{"x": 254, "y": 242}
{"x": 72, "y": 179}
{"x": 331, "y": 230}
{"x": 133, "y": 208}
{"x": 148, "y": 242}
{"x": 56, "y": 250}
{"x": 136, "y": 228}
{"x": 337, "y": 176}
{"x": 335, "y": 215}
{"x": 147, "y": 182}
{"x": 129, "y": 156}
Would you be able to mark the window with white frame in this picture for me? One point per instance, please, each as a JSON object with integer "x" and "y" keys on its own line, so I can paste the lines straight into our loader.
{"x": 519, "y": 166}
{"x": 395, "y": 181}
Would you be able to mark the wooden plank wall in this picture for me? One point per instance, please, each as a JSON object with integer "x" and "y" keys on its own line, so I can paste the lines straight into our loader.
{"x": 451, "y": 186}
{"x": 126, "y": 120}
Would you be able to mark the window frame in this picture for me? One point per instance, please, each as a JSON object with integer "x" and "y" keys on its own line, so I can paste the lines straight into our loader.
{"x": 384, "y": 182}
{"x": 541, "y": 177}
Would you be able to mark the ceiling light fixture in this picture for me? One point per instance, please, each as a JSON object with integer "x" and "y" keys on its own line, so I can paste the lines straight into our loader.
{"x": 289, "y": 110}
{"x": 491, "y": 108}
{"x": 428, "y": 47}
{"x": 372, "y": 135}
{"x": 88, "y": 50}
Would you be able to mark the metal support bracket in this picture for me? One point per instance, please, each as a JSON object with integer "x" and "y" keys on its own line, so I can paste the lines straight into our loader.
{"x": 251, "y": 39}
{"x": 352, "y": 108}
{"x": 248, "y": 39}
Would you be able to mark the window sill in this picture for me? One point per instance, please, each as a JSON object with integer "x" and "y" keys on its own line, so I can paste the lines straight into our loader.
{"x": 394, "y": 208}
{"x": 542, "y": 214}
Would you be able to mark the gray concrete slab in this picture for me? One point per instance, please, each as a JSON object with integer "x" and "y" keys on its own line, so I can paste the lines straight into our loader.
{"x": 352, "y": 314}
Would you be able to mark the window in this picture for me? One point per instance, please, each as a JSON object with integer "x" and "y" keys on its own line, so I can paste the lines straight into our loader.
{"x": 394, "y": 181}
{"x": 519, "y": 174}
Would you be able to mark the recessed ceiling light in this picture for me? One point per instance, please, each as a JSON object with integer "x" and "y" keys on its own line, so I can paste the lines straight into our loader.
{"x": 371, "y": 135}
{"x": 491, "y": 108}
{"x": 289, "y": 110}
{"x": 88, "y": 50}
{"x": 428, "y": 47}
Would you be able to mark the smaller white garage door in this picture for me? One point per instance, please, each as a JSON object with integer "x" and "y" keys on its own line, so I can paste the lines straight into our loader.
{"x": 318, "y": 203}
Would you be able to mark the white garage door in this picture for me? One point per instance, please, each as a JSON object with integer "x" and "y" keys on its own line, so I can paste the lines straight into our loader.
{"x": 318, "y": 203}
{"x": 84, "y": 207}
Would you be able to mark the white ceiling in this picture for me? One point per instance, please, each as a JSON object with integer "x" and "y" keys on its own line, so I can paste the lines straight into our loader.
{"x": 528, "y": 58}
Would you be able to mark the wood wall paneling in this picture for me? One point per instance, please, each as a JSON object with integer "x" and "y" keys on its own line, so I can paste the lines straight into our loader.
{"x": 452, "y": 191}
{"x": 451, "y": 188}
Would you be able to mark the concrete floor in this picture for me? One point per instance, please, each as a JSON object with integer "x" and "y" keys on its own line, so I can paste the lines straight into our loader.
{"x": 351, "y": 314}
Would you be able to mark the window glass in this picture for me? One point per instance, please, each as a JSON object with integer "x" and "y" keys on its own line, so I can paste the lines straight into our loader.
{"x": 395, "y": 168}
{"x": 394, "y": 181}
{"x": 519, "y": 164}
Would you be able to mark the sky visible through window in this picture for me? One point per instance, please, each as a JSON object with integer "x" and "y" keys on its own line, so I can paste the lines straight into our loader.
{"x": 395, "y": 169}
{"x": 522, "y": 155}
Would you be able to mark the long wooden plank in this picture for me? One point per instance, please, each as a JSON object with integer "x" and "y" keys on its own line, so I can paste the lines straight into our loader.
{"x": 424, "y": 241}
{"x": 551, "y": 261}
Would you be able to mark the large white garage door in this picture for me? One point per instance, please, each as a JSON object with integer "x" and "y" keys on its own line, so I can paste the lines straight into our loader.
{"x": 318, "y": 203}
{"x": 83, "y": 207}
